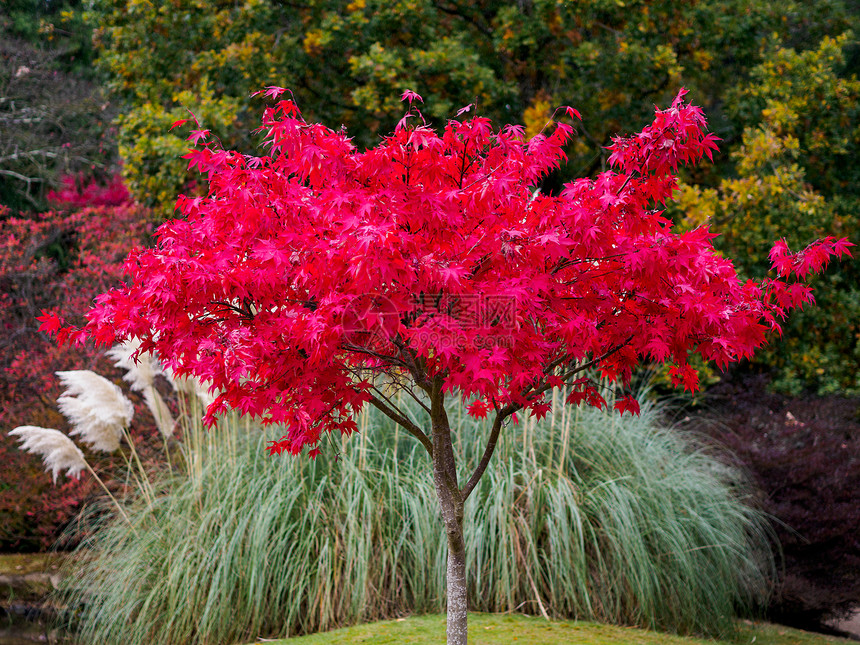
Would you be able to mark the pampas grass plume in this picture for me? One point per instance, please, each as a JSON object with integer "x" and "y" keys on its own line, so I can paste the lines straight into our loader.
{"x": 96, "y": 408}
{"x": 190, "y": 385}
{"x": 141, "y": 378}
{"x": 139, "y": 374}
{"x": 57, "y": 450}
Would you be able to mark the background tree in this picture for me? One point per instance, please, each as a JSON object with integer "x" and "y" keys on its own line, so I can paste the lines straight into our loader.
{"x": 795, "y": 174}
{"x": 317, "y": 279}
{"x": 350, "y": 59}
{"x": 54, "y": 117}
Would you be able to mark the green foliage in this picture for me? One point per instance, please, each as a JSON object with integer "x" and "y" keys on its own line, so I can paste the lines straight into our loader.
{"x": 813, "y": 99}
{"x": 796, "y": 176}
{"x": 584, "y": 514}
{"x": 145, "y": 143}
{"x": 349, "y": 60}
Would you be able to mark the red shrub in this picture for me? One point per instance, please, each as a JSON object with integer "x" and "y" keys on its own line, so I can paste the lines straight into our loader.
{"x": 804, "y": 454}
{"x": 79, "y": 193}
{"x": 55, "y": 260}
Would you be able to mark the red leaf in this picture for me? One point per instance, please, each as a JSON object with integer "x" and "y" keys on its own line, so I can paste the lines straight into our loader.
{"x": 572, "y": 113}
{"x": 197, "y": 135}
{"x": 277, "y": 447}
{"x": 411, "y": 96}
{"x": 627, "y": 404}
{"x": 478, "y": 409}
{"x": 51, "y": 322}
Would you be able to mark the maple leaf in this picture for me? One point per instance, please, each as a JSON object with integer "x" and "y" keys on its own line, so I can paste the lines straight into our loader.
{"x": 278, "y": 446}
{"x": 627, "y": 404}
{"x": 478, "y": 409}
{"x": 272, "y": 91}
{"x": 197, "y": 135}
{"x": 411, "y": 96}
{"x": 571, "y": 112}
{"x": 51, "y": 322}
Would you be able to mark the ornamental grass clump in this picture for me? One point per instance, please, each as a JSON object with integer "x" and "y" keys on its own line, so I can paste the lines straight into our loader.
{"x": 583, "y": 514}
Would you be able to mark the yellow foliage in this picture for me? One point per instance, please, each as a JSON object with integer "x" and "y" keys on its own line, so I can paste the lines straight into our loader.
{"x": 697, "y": 205}
{"x": 703, "y": 58}
{"x": 313, "y": 42}
{"x": 537, "y": 116}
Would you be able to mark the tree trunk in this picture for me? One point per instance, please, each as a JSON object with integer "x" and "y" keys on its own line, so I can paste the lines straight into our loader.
{"x": 451, "y": 506}
{"x": 457, "y": 601}
{"x": 452, "y": 516}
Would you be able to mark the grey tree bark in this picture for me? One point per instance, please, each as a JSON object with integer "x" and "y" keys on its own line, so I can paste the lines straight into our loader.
{"x": 451, "y": 506}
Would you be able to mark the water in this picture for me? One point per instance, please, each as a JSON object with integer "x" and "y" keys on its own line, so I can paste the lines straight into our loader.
{"x": 22, "y": 624}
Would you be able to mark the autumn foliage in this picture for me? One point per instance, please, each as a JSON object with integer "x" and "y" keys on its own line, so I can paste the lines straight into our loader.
{"x": 60, "y": 259}
{"x": 309, "y": 270}
{"x": 317, "y": 278}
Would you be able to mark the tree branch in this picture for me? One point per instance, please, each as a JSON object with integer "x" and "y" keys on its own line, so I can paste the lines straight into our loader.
{"x": 405, "y": 423}
{"x": 501, "y": 415}
{"x": 12, "y": 173}
{"x": 359, "y": 349}
{"x": 416, "y": 399}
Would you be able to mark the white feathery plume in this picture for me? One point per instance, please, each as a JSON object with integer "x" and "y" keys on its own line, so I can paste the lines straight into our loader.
{"x": 141, "y": 378}
{"x": 96, "y": 408}
{"x": 140, "y": 374}
{"x": 190, "y": 385}
{"x": 58, "y": 452}
{"x": 160, "y": 412}
{"x": 201, "y": 389}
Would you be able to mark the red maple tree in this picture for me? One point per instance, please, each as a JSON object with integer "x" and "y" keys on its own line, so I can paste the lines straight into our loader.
{"x": 312, "y": 280}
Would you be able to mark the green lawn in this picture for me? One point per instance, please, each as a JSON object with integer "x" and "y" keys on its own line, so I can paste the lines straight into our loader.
{"x": 504, "y": 629}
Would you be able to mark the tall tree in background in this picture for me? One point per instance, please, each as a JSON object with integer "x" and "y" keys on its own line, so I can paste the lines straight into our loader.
{"x": 54, "y": 117}
{"x": 349, "y": 59}
{"x": 774, "y": 99}
{"x": 796, "y": 175}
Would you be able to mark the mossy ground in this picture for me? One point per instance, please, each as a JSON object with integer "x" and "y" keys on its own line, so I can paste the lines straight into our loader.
{"x": 19, "y": 564}
{"x": 506, "y": 629}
